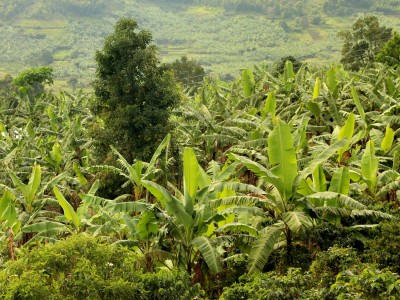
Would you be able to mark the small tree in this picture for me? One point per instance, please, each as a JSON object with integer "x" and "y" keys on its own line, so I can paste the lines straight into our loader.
{"x": 188, "y": 72}
{"x": 362, "y": 43}
{"x": 32, "y": 82}
{"x": 390, "y": 53}
{"x": 134, "y": 94}
{"x": 280, "y": 65}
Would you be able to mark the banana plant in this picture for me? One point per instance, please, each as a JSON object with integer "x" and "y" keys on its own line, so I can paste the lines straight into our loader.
{"x": 139, "y": 170}
{"x": 30, "y": 189}
{"x": 295, "y": 204}
{"x": 190, "y": 218}
{"x": 9, "y": 223}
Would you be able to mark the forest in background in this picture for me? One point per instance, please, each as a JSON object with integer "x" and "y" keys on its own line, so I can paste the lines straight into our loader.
{"x": 223, "y": 36}
{"x": 283, "y": 183}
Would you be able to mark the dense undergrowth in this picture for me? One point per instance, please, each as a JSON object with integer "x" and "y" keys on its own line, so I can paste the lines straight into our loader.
{"x": 66, "y": 33}
{"x": 290, "y": 175}
{"x": 283, "y": 184}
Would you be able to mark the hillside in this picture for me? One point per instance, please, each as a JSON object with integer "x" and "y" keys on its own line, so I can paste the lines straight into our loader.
{"x": 147, "y": 184}
{"x": 224, "y": 36}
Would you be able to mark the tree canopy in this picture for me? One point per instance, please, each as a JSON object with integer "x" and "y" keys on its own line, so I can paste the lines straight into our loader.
{"x": 363, "y": 42}
{"x": 134, "y": 93}
{"x": 390, "y": 53}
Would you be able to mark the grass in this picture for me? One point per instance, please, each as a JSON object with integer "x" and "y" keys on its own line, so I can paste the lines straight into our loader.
{"x": 62, "y": 54}
{"x": 54, "y": 23}
{"x": 202, "y": 11}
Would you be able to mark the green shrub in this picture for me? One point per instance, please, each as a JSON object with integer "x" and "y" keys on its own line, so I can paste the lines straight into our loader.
{"x": 384, "y": 249}
{"x": 268, "y": 286}
{"x": 366, "y": 282}
{"x": 82, "y": 267}
{"x": 330, "y": 263}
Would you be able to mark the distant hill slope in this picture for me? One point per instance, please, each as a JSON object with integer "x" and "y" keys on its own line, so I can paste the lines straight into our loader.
{"x": 223, "y": 35}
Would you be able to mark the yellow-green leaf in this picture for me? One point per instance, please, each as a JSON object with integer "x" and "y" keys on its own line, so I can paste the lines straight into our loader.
{"x": 69, "y": 212}
{"x": 388, "y": 139}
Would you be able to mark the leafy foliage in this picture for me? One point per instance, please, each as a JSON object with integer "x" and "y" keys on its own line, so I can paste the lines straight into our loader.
{"x": 84, "y": 267}
{"x": 363, "y": 42}
{"x": 134, "y": 95}
{"x": 299, "y": 161}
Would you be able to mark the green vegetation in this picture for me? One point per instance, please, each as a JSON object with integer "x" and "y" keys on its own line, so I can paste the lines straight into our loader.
{"x": 363, "y": 42}
{"x": 66, "y": 34}
{"x": 134, "y": 95}
{"x": 83, "y": 267}
{"x": 281, "y": 184}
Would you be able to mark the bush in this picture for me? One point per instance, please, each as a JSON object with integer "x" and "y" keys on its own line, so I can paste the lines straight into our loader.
{"x": 384, "y": 249}
{"x": 366, "y": 282}
{"x": 83, "y": 267}
{"x": 330, "y": 263}
{"x": 268, "y": 286}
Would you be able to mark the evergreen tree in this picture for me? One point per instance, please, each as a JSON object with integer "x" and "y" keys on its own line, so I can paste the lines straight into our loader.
{"x": 363, "y": 42}
{"x": 134, "y": 93}
{"x": 390, "y": 53}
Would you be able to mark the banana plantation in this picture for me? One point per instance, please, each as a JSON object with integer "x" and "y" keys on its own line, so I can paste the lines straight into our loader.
{"x": 270, "y": 187}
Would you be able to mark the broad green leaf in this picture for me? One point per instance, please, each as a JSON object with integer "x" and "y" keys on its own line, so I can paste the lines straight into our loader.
{"x": 7, "y": 208}
{"x": 319, "y": 179}
{"x": 355, "y": 175}
{"x": 129, "y": 207}
{"x": 334, "y": 199}
{"x": 289, "y": 76}
{"x": 304, "y": 188}
{"x": 164, "y": 144}
{"x": 317, "y": 87}
{"x": 56, "y": 154}
{"x": 300, "y": 135}
{"x": 209, "y": 253}
{"x": 248, "y": 82}
{"x": 369, "y": 166}
{"x": 34, "y": 183}
{"x": 243, "y": 210}
{"x": 370, "y": 213}
{"x": 297, "y": 220}
{"x": 257, "y": 169}
{"x": 170, "y": 203}
{"x": 242, "y": 201}
{"x": 47, "y": 185}
{"x": 229, "y": 218}
{"x": 322, "y": 157}
{"x": 235, "y": 186}
{"x": 95, "y": 201}
{"x": 357, "y": 101}
{"x": 204, "y": 179}
{"x": 376, "y": 136}
{"x": 262, "y": 248}
{"x": 388, "y": 139}
{"x": 147, "y": 225}
{"x": 340, "y": 182}
{"x": 69, "y": 212}
{"x": 44, "y": 226}
{"x": 133, "y": 176}
{"x": 347, "y": 132}
{"x": 282, "y": 156}
{"x": 332, "y": 80}
{"x": 82, "y": 180}
{"x": 270, "y": 104}
{"x": 130, "y": 223}
{"x": 95, "y": 186}
{"x": 238, "y": 228}
{"x": 191, "y": 178}
{"x": 314, "y": 108}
